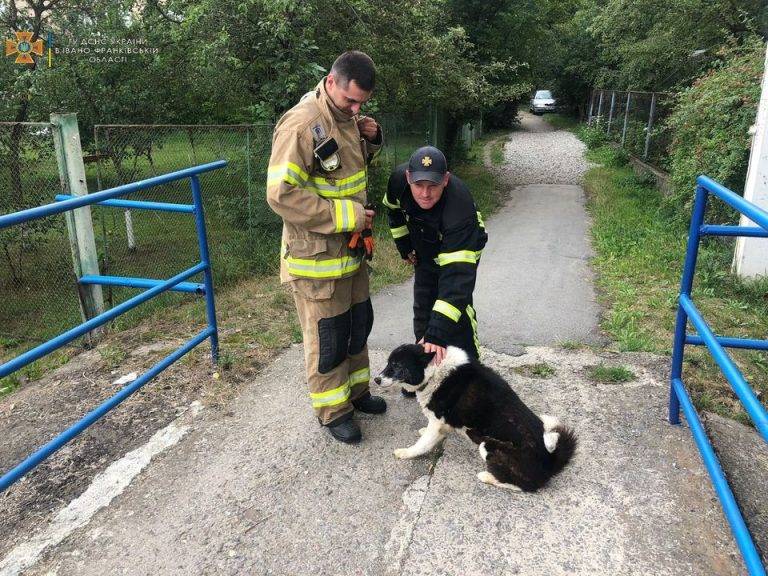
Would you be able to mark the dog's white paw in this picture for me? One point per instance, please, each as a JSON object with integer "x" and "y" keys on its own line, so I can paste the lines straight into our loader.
{"x": 486, "y": 477}
{"x": 402, "y": 454}
{"x": 422, "y": 431}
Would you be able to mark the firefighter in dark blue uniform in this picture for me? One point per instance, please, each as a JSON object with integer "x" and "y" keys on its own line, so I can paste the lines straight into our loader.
{"x": 437, "y": 227}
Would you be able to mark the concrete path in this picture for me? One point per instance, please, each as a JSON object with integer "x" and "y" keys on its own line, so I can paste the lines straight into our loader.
{"x": 261, "y": 490}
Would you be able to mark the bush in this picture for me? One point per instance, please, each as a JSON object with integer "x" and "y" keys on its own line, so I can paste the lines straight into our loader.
{"x": 710, "y": 126}
{"x": 502, "y": 115}
{"x": 592, "y": 136}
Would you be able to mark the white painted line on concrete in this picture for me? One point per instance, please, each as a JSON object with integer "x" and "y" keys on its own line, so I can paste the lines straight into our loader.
{"x": 105, "y": 487}
{"x": 402, "y": 532}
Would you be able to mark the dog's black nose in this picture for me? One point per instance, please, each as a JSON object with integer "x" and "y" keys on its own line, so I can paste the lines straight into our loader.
{"x": 377, "y": 379}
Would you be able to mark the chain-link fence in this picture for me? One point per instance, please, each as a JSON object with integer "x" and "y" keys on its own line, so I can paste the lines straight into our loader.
{"x": 635, "y": 119}
{"x": 37, "y": 282}
{"x": 36, "y": 271}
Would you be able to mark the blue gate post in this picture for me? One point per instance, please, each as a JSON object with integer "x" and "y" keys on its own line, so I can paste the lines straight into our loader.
{"x": 205, "y": 258}
{"x": 686, "y": 284}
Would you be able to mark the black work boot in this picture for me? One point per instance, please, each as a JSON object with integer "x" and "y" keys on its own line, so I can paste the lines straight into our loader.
{"x": 345, "y": 429}
{"x": 370, "y": 404}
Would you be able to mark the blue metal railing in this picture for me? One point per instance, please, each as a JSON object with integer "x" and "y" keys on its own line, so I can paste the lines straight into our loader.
{"x": 153, "y": 288}
{"x": 678, "y": 396}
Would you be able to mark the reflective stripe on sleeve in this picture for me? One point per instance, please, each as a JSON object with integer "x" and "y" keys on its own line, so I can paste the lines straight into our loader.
{"x": 473, "y": 322}
{"x": 345, "y": 215}
{"x": 447, "y": 309}
{"x": 389, "y": 204}
{"x": 399, "y": 232}
{"x": 288, "y": 172}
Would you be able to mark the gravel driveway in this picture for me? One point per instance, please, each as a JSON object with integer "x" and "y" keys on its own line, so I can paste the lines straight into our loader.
{"x": 536, "y": 153}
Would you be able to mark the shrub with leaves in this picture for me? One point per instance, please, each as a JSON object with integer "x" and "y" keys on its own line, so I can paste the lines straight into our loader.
{"x": 710, "y": 126}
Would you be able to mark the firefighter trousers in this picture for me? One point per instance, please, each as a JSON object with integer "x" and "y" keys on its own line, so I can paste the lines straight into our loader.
{"x": 425, "y": 292}
{"x": 336, "y": 318}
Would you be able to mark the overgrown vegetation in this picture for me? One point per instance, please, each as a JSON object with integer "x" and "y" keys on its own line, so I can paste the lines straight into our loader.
{"x": 710, "y": 126}
{"x": 640, "y": 249}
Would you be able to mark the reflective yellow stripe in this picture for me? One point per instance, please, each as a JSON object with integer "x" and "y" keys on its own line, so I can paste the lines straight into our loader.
{"x": 389, "y": 204}
{"x": 332, "y": 268}
{"x": 345, "y": 215}
{"x": 399, "y": 232}
{"x": 344, "y": 187}
{"x": 468, "y": 256}
{"x": 473, "y": 322}
{"x": 361, "y": 376}
{"x": 288, "y": 172}
{"x": 480, "y": 220}
{"x": 447, "y": 309}
{"x": 293, "y": 174}
{"x": 331, "y": 397}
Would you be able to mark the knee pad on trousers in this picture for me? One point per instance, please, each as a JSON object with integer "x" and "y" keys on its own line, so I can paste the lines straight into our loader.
{"x": 362, "y": 323}
{"x": 333, "y": 336}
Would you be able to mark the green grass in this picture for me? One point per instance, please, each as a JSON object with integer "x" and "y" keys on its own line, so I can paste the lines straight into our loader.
{"x": 639, "y": 256}
{"x": 497, "y": 152}
{"x": 610, "y": 374}
{"x": 562, "y": 121}
{"x": 540, "y": 370}
{"x": 35, "y": 370}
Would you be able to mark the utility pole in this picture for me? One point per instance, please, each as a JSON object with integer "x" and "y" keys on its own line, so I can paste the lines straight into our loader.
{"x": 751, "y": 255}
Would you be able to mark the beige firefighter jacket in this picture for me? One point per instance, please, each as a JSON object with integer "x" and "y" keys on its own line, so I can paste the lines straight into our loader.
{"x": 319, "y": 209}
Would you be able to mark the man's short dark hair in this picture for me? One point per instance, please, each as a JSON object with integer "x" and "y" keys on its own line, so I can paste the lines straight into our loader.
{"x": 357, "y": 66}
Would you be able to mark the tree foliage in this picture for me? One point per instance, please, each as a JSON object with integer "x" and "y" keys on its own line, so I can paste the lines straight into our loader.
{"x": 220, "y": 61}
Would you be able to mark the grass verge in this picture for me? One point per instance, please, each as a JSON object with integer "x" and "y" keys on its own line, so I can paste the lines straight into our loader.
{"x": 639, "y": 255}
{"x": 562, "y": 121}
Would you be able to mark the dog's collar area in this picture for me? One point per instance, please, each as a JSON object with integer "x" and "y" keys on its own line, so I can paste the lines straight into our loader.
{"x": 422, "y": 387}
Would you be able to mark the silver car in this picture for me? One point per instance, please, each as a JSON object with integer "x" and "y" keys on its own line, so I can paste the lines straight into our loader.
{"x": 543, "y": 101}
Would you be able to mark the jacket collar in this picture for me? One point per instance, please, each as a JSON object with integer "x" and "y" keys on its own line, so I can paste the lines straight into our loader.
{"x": 328, "y": 106}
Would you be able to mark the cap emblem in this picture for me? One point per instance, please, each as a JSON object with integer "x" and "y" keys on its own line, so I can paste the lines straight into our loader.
{"x": 426, "y": 161}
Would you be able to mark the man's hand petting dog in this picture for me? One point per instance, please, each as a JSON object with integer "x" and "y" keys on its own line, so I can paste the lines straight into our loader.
{"x": 438, "y": 350}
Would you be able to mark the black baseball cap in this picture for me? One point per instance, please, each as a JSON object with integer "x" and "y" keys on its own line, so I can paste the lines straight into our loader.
{"x": 428, "y": 163}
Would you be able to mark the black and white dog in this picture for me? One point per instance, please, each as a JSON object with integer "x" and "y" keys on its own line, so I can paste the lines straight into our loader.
{"x": 522, "y": 451}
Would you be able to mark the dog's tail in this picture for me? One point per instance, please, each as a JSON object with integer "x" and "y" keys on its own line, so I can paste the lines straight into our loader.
{"x": 560, "y": 441}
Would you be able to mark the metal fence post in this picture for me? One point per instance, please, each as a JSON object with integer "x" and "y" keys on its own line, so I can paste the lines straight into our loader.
{"x": 650, "y": 126}
{"x": 599, "y": 107}
{"x": 69, "y": 156}
{"x": 591, "y": 105}
{"x": 610, "y": 113}
{"x": 202, "y": 239}
{"x": 248, "y": 179}
{"x": 626, "y": 118}
{"x": 686, "y": 284}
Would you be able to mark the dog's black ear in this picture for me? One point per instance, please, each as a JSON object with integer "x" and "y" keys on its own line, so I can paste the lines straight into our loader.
{"x": 426, "y": 358}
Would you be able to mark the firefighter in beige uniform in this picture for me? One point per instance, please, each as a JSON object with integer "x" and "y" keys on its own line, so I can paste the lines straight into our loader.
{"x": 317, "y": 182}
